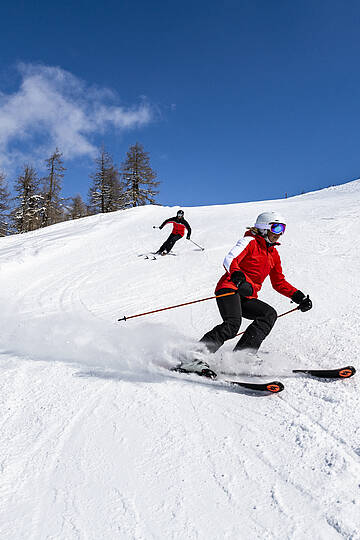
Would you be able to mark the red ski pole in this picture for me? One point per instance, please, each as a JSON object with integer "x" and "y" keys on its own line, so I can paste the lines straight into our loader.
{"x": 172, "y": 307}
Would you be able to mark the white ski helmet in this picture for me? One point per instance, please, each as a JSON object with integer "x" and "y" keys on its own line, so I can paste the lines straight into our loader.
{"x": 264, "y": 220}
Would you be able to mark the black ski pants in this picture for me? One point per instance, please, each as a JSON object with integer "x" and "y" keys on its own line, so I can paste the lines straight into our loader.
{"x": 232, "y": 309}
{"x": 169, "y": 243}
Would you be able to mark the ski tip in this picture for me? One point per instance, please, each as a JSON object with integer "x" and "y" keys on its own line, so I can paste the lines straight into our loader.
{"x": 275, "y": 387}
{"x": 339, "y": 373}
{"x": 347, "y": 372}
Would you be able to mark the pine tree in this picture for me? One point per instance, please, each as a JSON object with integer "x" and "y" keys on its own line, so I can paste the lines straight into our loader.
{"x": 52, "y": 211}
{"x": 4, "y": 206}
{"x": 26, "y": 214}
{"x": 138, "y": 177}
{"x": 106, "y": 192}
{"x": 77, "y": 208}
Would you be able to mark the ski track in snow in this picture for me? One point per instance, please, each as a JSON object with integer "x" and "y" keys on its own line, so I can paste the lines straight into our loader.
{"x": 99, "y": 441}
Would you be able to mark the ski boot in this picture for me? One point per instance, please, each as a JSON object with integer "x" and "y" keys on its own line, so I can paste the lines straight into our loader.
{"x": 198, "y": 367}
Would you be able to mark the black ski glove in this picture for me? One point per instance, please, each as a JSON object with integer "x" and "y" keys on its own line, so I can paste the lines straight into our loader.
{"x": 304, "y": 301}
{"x": 246, "y": 289}
{"x": 238, "y": 278}
{"x": 188, "y": 237}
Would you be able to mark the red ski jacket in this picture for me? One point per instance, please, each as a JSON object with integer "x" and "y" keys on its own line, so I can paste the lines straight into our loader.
{"x": 257, "y": 260}
{"x": 179, "y": 226}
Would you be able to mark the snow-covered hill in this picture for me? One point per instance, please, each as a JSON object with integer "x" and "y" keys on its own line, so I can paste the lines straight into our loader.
{"x": 100, "y": 441}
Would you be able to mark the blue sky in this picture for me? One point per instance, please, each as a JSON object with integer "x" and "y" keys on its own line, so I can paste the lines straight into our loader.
{"x": 234, "y": 101}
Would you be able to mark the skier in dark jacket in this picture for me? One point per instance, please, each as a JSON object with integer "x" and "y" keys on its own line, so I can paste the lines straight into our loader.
{"x": 178, "y": 231}
{"x": 249, "y": 262}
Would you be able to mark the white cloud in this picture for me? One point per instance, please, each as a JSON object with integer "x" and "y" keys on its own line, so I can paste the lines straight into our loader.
{"x": 53, "y": 108}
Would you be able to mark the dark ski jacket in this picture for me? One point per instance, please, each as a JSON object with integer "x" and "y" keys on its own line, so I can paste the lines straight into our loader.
{"x": 257, "y": 260}
{"x": 179, "y": 226}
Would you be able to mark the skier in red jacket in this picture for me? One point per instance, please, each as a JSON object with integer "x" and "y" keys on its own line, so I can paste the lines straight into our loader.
{"x": 248, "y": 263}
{"x": 179, "y": 225}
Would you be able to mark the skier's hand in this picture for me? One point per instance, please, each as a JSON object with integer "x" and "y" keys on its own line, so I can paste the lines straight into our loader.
{"x": 246, "y": 289}
{"x": 188, "y": 237}
{"x": 304, "y": 301}
{"x": 238, "y": 278}
{"x": 305, "y": 304}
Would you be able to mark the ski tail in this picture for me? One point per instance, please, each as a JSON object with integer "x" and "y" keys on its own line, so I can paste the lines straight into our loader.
{"x": 339, "y": 373}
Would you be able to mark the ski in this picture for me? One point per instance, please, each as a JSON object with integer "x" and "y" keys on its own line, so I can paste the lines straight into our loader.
{"x": 339, "y": 373}
{"x": 148, "y": 256}
{"x": 151, "y": 256}
{"x": 272, "y": 387}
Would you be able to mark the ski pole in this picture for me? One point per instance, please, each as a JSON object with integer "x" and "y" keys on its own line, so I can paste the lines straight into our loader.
{"x": 202, "y": 249}
{"x": 282, "y": 315}
{"x": 172, "y": 307}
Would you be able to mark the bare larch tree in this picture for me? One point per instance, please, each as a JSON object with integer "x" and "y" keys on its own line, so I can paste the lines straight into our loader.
{"x": 138, "y": 177}
{"x": 52, "y": 183}
{"x": 106, "y": 191}
{"x": 77, "y": 208}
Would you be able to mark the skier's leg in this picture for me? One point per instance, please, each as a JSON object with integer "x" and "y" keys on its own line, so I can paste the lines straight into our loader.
{"x": 264, "y": 317}
{"x": 171, "y": 241}
{"x": 165, "y": 246}
{"x": 230, "y": 311}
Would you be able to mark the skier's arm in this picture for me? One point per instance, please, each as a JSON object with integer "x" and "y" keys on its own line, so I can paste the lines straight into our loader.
{"x": 233, "y": 259}
{"x": 236, "y": 254}
{"x": 166, "y": 222}
{"x": 278, "y": 280}
{"x": 188, "y": 229}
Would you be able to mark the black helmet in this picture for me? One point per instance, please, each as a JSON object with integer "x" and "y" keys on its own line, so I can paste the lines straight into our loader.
{"x": 180, "y": 213}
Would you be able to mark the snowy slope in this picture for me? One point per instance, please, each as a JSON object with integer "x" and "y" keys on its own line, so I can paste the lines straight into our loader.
{"x": 99, "y": 441}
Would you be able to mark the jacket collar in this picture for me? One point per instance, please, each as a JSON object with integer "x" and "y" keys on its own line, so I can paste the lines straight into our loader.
{"x": 261, "y": 240}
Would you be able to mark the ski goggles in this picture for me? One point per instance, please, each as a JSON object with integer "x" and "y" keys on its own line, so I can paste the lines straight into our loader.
{"x": 277, "y": 228}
